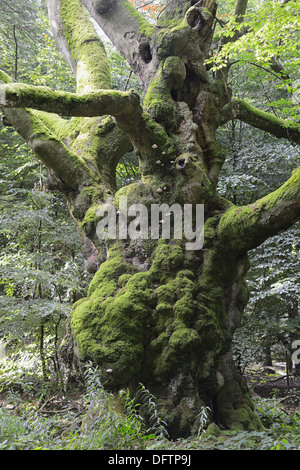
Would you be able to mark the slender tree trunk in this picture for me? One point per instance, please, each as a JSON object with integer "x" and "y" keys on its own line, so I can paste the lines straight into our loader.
{"x": 267, "y": 355}
{"x": 16, "y": 52}
{"x": 42, "y": 352}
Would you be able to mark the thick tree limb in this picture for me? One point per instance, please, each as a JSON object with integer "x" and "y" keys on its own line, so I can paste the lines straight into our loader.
{"x": 69, "y": 167}
{"x": 98, "y": 103}
{"x": 240, "y": 109}
{"x": 50, "y": 149}
{"x": 240, "y": 10}
{"x": 81, "y": 46}
{"x": 245, "y": 228}
{"x": 98, "y": 141}
{"x": 145, "y": 134}
{"x": 52, "y": 121}
{"x": 58, "y": 31}
{"x": 57, "y": 142}
{"x": 127, "y": 29}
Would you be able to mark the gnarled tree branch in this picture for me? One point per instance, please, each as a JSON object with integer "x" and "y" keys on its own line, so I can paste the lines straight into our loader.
{"x": 68, "y": 166}
{"x": 145, "y": 134}
{"x": 245, "y": 228}
{"x": 240, "y": 109}
{"x": 128, "y": 30}
{"x": 98, "y": 103}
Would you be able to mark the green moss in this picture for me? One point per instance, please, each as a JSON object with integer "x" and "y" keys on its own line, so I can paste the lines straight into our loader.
{"x": 172, "y": 40}
{"x": 141, "y": 192}
{"x": 159, "y": 343}
{"x": 117, "y": 305}
{"x": 176, "y": 257}
{"x": 162, "y": 326}
{"x": 184, "y": 339}
{"x": 193, "y": 185}
{"x": 4, "y": 77}
{"x": 66, "y": 163}
{"x": 61, "y": 127}
{"x": 91, "y": 215}
{"x": 166, "y": 292}
{"x": 268, "y": 117}
{"x": 244, "y": 228}
{"x": 212, "y": 430}
{"x": 183, "y": 284}
{"x": 109, "y": 273}
{"x": 160, "y": 265}
{"x": 123, "y": 279}
{"x": 158, "y": 101}
{"x": 86, "y": 204}
{"x": 184, "y": 309}
{"x": 210, "y": 229}
{"x": 162, "y": 316}
{"x": 181, "y": 344}
{"x": 92, "y": 140}
{"x": 113, "y": 316}
{"x": 242, "y": 419}
{"x": 86, "y": 47}
{"x": 174, "y": 18}
{"x": 145, "y": 29}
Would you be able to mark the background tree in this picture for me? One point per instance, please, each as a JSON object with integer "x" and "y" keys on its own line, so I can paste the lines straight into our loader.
{"x": 155, "y": 312}
{"x": 267, "y": 331}
{"x": 259, "y": 56}
{"x": 41, "y": 269}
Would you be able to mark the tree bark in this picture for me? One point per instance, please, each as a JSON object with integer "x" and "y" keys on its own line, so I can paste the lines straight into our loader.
{"x": 240, "y": 109}
{"x": 156, "y": 312}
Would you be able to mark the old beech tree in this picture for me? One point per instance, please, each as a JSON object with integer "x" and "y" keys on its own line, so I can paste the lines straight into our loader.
{"x": 155, "y": 313}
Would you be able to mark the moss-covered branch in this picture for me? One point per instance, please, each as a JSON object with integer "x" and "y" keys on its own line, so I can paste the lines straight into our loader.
{"x": 80, "y": 44}
{"x": 68, "y": 166}
{"x": 99, "y": 103}
{"x": 265, "y": 121}
{"x": 149, "y": 137}
{"x": 120, "y": 15}
{"x": 244, "y": 228}
{"x": 4, "y": 78}
{"x": 38, "y": 131}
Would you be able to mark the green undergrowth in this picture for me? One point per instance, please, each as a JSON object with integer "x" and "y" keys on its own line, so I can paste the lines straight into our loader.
{"x": 95, "y": 419}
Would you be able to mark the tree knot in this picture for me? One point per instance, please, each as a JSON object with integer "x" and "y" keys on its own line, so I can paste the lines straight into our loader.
{"x": 200, "y": 15}
{"x": 103, "y": 6}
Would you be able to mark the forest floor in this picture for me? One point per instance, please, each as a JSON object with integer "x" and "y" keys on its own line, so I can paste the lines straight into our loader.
{"x": 265, "y": 383}
{"x": 273, "y": 382}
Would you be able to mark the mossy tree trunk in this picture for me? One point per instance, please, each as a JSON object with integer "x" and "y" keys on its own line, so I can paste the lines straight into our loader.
{"x": 155, "y": 313}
